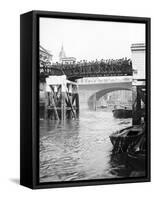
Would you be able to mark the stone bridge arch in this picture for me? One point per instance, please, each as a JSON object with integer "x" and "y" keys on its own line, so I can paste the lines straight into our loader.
{"x": 96, "y": 96}
{"x": 90, "y": 91}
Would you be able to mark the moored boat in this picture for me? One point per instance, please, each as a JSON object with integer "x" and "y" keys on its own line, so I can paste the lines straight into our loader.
{"x": 122, "y": 140}
{"x": 103, "y": 106}
{"x": 122, "y": 113}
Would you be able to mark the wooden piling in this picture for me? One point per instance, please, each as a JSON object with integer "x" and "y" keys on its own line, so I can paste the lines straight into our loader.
{"x": 63, "y": 107}
{"x": 137, "y": 111}
{"x": 46, "y": 106}
{"x": 71, "y": 106}
{"x": 77, "y": 104}
{"x": 61, "y": 98}
{"x": 54, "y": 105}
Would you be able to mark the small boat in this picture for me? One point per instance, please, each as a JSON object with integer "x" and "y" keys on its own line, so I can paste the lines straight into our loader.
{"x": 103, "y": 106}
{"x": 122, "y": 113}
{"x": 124, "y": 139}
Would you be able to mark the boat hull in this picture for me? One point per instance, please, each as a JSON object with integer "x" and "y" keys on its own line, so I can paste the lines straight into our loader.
{"x": 125, "y": 138}
{"x": 122, "y": 113}
{"x": 137, "y": 160}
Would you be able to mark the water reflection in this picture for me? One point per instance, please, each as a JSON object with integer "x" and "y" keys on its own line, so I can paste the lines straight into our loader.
{"x": 80, "y": 149}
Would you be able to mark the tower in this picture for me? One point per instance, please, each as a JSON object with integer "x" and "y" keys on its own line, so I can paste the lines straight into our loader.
{"x": 62, "y": 54}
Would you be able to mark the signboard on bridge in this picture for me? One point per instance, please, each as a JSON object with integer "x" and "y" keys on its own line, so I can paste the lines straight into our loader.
{"x": 98, "y": 80}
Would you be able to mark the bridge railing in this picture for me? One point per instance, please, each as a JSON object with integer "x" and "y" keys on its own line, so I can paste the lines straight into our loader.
{"x": 121, "y": 67}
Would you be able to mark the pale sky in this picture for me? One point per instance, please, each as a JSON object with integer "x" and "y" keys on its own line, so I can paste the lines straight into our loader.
{"x": 89, "y": 40}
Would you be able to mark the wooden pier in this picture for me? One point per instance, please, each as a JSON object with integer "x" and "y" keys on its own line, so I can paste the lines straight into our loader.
{"x": 61, "y": 100}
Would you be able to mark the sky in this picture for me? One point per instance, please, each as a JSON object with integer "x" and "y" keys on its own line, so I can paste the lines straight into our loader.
{"x": 89, "y": 40}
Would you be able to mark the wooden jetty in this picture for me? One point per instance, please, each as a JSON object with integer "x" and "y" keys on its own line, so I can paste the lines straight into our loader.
{"x": 61, "y": 99}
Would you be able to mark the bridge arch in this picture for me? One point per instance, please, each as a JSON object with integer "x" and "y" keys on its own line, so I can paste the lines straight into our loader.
{"x": 97, "y": 95}
{"x": 96, "y": 90}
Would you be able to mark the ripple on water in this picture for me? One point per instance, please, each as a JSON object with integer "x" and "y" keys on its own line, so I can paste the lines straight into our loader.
{"x": 79, "y": 149}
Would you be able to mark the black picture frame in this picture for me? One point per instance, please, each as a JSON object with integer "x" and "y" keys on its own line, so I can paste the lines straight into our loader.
{"x": 29, "y": 97}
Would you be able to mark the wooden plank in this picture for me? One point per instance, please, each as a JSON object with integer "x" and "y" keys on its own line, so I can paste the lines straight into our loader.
{"x": 77, "y": 103}
{"x": 63, "y": 107}
{"x": 72, "y": 109}
{"x": 54, "y": 105}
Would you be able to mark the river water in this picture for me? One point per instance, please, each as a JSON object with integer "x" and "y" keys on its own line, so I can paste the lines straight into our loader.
{"x": 81, "y": 149}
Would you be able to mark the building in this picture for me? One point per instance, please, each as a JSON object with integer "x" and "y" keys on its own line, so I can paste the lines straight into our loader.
{"x": 138, "y": 61}
{"x": 45, "y": 60}
{"x": 45, "y": 55}
{"x": 138, "y": 84}
{"x": 64, "y": 59}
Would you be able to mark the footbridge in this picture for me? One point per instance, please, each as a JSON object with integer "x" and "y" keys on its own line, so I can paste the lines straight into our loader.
{"x": 94, "y": 79}
{"x": 118, "y": 67}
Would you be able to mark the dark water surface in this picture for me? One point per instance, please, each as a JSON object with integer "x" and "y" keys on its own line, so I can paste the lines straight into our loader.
{"x": 81, "y": 149}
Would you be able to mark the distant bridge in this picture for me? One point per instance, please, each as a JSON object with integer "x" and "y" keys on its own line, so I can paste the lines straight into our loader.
{"x": 88, "y": 69}
{"x": 91, "y": 93}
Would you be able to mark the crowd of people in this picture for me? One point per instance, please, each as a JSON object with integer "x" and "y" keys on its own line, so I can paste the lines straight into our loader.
{"x": 123, "y": 65}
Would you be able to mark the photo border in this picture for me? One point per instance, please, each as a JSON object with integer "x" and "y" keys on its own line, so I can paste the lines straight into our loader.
{"x": 35, "y": 97}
